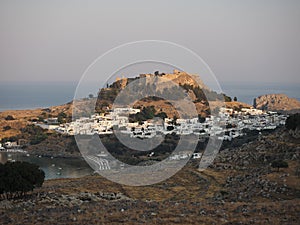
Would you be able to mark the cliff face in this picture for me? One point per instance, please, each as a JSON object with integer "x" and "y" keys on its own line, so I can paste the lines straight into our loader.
{"x": 277, "y": 102}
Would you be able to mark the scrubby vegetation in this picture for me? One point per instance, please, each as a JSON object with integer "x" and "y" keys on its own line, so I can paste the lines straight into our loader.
{"x": 293, "y": 122}
{"x": 36, "y": 134}
{"x": 145, "y": 114}
{"x": 63, "y": 118}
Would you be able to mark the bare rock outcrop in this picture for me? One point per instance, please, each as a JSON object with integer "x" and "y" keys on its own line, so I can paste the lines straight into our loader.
{"x": 277, "y": 102}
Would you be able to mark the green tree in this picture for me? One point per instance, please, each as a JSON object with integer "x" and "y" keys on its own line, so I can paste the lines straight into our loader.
{"x": 201, "y": 119}
{"x": 61, "y": 117}
{"x": 227, "y": 98}
{"x": 279, "y": 164}
{"x": 169, "y": 128}
{"x": 235, "y": 99}
{"x": 18, "y": 178}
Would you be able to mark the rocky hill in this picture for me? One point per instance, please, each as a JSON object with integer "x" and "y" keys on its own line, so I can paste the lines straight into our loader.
{"x": 277, "y": 102}
{"x": 169, "y": 85}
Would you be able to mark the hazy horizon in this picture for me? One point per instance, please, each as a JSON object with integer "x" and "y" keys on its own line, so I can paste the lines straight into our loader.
{"x": 41, "y": 94}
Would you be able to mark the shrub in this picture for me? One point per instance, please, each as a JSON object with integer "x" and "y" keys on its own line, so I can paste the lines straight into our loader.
{"x": 162, "y": 115}
{"x": 279, "y": 164}
{"x": 6, "y": 128}
{"x": 9, "y": 117}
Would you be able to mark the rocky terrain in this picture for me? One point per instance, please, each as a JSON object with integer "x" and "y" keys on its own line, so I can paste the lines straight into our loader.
{"x": 277, "y": 102}
{"x": 240, "y": 187}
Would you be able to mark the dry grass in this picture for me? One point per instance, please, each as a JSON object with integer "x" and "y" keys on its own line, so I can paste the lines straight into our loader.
{"x": 287, "y": 176}
{"x": 23, "y": 117}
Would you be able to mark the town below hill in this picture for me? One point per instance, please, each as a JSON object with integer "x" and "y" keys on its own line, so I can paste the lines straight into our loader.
{"x": 52, "y": 128}
{"x": 253, "y": 180}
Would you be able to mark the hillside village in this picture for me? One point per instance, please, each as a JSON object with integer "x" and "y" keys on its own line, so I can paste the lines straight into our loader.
{"x": 228, "y": 124}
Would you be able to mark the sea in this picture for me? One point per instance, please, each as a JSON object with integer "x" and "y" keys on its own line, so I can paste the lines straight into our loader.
{"x": 53, "y": 167}
{"x": 246, "y": 92}
{"x": 30, "y": 95}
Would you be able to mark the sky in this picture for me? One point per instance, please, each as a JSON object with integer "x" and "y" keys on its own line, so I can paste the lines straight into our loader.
{"x": 241, "y": 41}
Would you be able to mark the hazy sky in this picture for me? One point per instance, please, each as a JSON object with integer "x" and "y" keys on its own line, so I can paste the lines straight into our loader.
{"x": 240, "y": 40}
